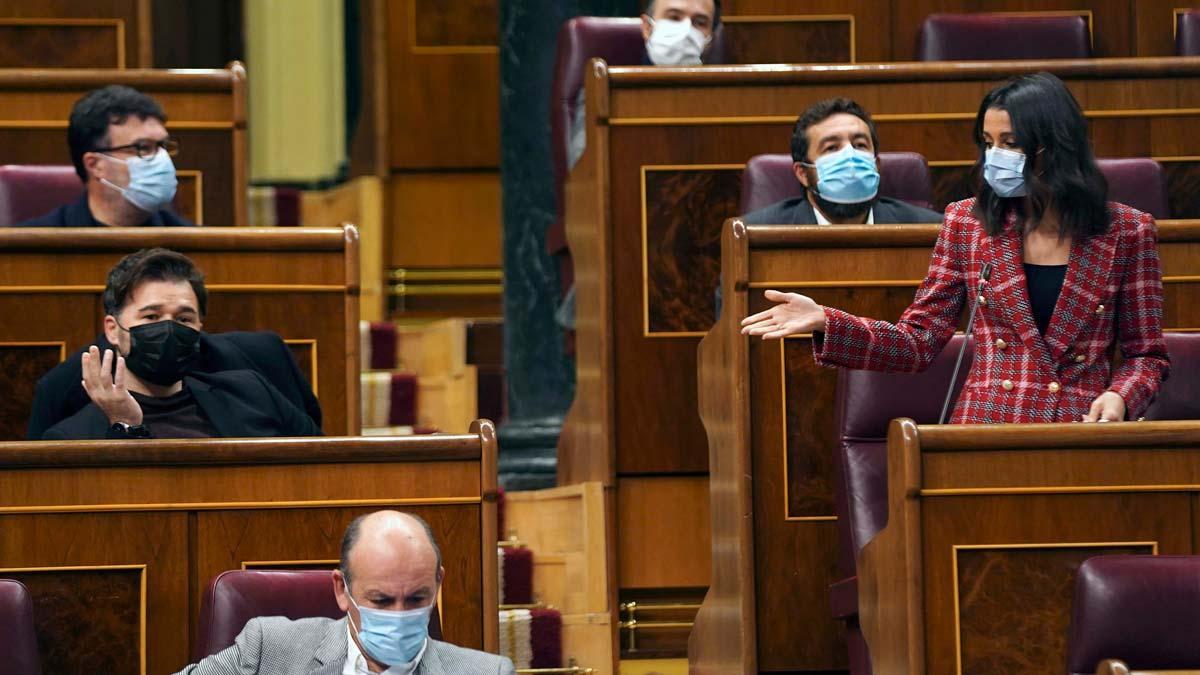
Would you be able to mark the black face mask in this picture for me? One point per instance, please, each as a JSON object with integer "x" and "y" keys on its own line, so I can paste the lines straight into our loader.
{"x": 162, "y": 352}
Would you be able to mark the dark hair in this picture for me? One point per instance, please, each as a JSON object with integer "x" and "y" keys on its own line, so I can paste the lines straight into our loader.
{"x": 158, "y": 264}
{"x": 1047, "y": 124}
{"x": 821, "y": 111}
{"x": 716, "y": 12}
{"x": 351, "y": 538}
{"x": 99, "y": 108}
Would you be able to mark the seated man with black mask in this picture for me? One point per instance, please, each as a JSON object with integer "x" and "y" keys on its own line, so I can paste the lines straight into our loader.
{"x": 836, "y": 155}
{"x": 147, "y": 387}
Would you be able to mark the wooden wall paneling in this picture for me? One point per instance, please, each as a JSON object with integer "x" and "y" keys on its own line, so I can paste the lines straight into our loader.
{"x": 67, "y": 33}
{"x": 1154, "y": 25}
{"x": 1111, "y": 20}
{"x": 430, "y": 44}
{"x": 109, "y": 590}
{"x": 206, "y": 110}
{"x": 826, "y": 41}
{"x": 301, "y": 284}
{"x": 445, "y": 220}
{"x": 661, "y": 525}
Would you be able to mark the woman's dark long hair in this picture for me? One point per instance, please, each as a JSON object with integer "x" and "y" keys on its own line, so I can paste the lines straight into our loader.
{"x": 1046, "y": 119}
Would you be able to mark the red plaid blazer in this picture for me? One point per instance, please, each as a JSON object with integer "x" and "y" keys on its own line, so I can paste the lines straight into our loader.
{"x": 1112, "y": 291}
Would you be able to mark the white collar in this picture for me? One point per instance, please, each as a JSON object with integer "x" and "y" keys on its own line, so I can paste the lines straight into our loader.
{"x": 822, "y": 220}
{"x": 356, "y": 663}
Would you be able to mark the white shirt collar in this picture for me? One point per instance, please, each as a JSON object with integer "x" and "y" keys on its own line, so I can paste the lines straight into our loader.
{"x": 822, "y": 220}
{"x": 356, "y": 663}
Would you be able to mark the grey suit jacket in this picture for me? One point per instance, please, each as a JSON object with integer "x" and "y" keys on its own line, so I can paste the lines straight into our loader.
{"x": 275, "y": 645}
{"x": 798, "y": 211}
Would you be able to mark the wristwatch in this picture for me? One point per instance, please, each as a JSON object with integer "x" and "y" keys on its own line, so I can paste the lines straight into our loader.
{"x": 130, "y": 430}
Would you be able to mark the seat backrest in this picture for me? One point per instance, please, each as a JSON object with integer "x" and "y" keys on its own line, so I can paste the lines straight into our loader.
{"x": 1141, "y": 609}
{"x": 1138, "y": 182}
{"x": 18, "y": 643}
{"x": 1178, "y": 397}
{"x": 1187, "y": 33}
{"x": 616, "y": 40}
{"x": 32, "y": 190}
{"x": 769, "y": 178}
{"x": 865, "y": 404}
{"x": 993, "y": 37}
{"x": 236, "y": 596}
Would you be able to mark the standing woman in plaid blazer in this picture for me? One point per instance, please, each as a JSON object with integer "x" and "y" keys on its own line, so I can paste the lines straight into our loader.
{"x": 1070, "y": 274}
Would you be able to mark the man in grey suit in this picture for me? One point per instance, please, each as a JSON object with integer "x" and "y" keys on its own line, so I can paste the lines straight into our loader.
{"x": 387, "y": 583}
{"x": 836, "y": 151}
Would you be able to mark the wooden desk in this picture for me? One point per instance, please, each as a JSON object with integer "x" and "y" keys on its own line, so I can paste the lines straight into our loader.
{"x": 662, "y": 170}
{"x": 117, "y": 541}
{"x": 206, "y": 111}
{"x": 300, "y": 283}
{"x": 975, "y": 570}
{"x": 769, "y": 413}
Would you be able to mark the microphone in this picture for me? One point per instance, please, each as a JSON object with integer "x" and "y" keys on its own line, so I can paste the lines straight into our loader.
{"x": 984, "y": 274}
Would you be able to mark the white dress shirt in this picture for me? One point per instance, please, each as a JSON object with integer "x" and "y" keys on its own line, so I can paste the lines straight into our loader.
{"x": 822, "y": 220}
{"x": 356, "y": 663}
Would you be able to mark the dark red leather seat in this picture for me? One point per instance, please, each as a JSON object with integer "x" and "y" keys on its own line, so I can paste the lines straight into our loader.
{"x": 1187, "y": 33}
{"x": 866, "y": 403}
{"x": 769, "y": 178}
{"x": 18, "y": 643}
{"x": 236, "y": 596}
{"x": 1141, "y": 609}
{"x": 31, "y": 190}
{"x": 1178, "y": 397}
{"x": 993, "y": 37}
{"x": 1138, "y": 182}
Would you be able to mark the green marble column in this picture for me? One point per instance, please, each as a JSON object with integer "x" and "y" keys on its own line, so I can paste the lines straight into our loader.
{"x": 541, "y": 379}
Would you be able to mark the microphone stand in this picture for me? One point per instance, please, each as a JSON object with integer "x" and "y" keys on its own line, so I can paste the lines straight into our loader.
{"x": 984, "y": 275}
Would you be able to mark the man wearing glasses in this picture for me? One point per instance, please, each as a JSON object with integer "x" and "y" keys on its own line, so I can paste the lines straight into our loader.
{"x": 122, "y": 154}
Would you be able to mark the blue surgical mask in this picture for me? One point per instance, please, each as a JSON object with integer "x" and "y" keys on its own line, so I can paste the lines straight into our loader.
{"x": 1004, "y": 170}
{"x": 152, "y": 181}
{"x": 392, "y": 638}
{"x": 848, "y": 176}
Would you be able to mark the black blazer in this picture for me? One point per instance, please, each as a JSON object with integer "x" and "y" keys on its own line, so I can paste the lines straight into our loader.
{"x": 59, "y": 394}
{"x": 798, "y": 211}
{"x": 77, "y": 214}
{"x": 239, "y": 403}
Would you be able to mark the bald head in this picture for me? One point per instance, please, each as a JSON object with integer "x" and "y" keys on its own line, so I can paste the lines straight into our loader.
{"x": 389, "y": 541}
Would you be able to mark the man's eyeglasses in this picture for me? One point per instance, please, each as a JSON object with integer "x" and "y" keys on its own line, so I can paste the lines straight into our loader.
{"x": 147, "y": 149}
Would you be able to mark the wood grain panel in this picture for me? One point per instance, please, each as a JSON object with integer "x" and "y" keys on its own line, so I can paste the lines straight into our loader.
{"x": 1111, "y": 20}
{"x": 789, "y": 39}
{"x": 1029, "y": 589}
{"x": 62, "y": 43}
{"x": 67, "y": 51}
{"x": 1154, "y": 29}
{"x": 90, "y": 620}
{"x": 662, "y": 532}
{"x": 443, "y": 131}
{"x": 20, "y": 367}
{"x": 464, "y": 23}
{"x": 447, "y": 219}
{"x": 872, "y": 25}
{"x": 685, "y": 209}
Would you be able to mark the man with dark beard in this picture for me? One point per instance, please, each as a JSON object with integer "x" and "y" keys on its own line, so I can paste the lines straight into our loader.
{"x": 836, "y": 151}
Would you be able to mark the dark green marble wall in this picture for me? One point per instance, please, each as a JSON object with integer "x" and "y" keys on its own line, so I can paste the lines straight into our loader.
{"x": 541, "y": 378}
